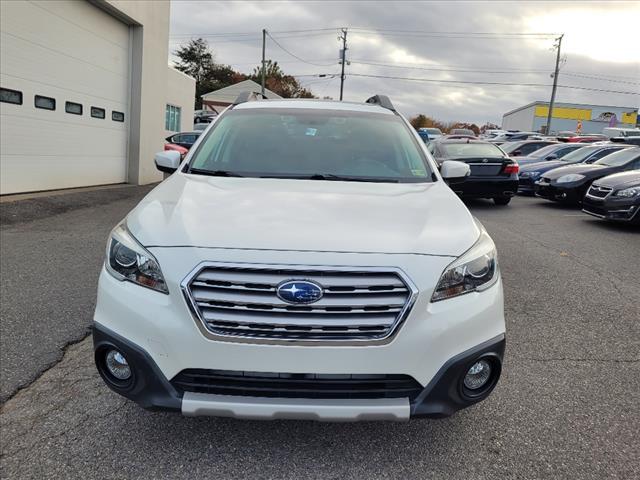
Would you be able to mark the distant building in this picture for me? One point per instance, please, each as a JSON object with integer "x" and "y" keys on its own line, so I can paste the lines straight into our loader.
{"x": 533, "y": 117}
{"x": 220, "y": 99}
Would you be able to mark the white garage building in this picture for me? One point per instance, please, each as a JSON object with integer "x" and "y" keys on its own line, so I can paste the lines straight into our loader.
{"x": 84, "y": 93}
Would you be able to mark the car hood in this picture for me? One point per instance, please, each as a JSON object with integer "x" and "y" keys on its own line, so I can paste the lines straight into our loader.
{"x": 546, "y": 165}
{"x": 621, "y": 180}
{"x": 588, "y": 171}
{"x": 281, "y": 214}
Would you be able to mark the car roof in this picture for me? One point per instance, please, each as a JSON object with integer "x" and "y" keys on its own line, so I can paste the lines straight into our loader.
{"x": 462, "y": 140}
{"x": 315, "y": 104}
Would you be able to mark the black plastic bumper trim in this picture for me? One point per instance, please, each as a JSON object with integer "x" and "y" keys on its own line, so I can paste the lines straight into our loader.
{"x": 444, "y": 396}
{"x": 150, "y": 388}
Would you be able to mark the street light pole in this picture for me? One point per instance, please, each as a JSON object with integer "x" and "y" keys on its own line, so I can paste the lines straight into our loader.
{"x": 555, "y": 84}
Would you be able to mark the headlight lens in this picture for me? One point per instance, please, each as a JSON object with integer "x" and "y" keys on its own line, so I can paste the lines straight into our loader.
{"x": 474, "y": 271}
{"x": 128, "y": 260}
{"x": 533, "y": 174}
{"x": 572, "y": 177}
{"x": 628, "y": 192}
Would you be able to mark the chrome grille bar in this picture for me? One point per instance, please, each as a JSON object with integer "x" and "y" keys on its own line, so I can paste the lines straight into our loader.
{"x": 240, "y": 301}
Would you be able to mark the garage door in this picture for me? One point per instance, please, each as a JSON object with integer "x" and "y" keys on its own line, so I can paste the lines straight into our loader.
{"x": 65, "y": 94}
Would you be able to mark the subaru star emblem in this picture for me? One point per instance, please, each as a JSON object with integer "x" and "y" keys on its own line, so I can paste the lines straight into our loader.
{"x": 299, "y": 291}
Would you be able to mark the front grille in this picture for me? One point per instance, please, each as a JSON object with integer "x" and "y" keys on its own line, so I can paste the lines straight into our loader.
{"x": 242, "y": 301}
{"x": 296, "y": 385}
{"x": 599, "y": 192}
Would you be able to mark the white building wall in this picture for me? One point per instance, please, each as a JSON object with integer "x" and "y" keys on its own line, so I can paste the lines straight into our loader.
{"x": 110, "y": 54}
{"x": 180, "y": 92}
{"x": 520, "y": 120}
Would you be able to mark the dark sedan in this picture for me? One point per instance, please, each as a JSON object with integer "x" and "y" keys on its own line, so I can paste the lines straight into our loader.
{"x": 550, "y": 152}
{"x": 615, "y": 198}
{"x": 184, "y": 139}
{"x": 526, "y": 147}
{"x": 587, "y": 154}
{"x": 569, "y": 184}
{"x": 493, "y": 174}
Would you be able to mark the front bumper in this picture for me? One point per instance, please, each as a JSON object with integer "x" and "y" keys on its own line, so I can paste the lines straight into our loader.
{"x": 526, "y": 185}
{"x": 567, "y": 193}
{"x": 163, "y": 327}
{"x": 613, "y": 209}
{"x": 442, "y": 397}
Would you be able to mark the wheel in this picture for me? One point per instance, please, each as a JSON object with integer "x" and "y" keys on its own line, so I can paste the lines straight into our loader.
{"x": 501, "y": 200}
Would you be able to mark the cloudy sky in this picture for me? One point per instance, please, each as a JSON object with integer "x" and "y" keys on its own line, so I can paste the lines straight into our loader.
{"x": 425, "y": 46}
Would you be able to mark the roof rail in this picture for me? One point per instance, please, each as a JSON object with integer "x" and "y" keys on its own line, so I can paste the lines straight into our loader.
{"x": 383, "y": 101}
{"x": 248, "y": 96}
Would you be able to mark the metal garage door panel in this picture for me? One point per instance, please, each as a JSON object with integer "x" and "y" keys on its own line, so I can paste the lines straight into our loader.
{"x": 70, "y": 51}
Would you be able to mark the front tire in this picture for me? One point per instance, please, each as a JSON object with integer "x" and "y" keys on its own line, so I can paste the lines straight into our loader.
{"x": 501, "y": 200}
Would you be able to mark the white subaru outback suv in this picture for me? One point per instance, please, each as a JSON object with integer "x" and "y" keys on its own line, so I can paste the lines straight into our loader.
{"x": 307, "y": 260}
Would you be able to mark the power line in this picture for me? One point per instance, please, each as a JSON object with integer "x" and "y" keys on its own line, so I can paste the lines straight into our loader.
{"x": 296, "y": 56}
{"x": 435, "y": 69}
{"x": 594, "y": 77}
{"x": 469, "y": 82}
{"x": 426, "y": 32}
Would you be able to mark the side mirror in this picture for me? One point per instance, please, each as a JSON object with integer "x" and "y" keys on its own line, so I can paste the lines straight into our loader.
{"x": 553, "y": 156}
{"x": 453, "y": 171}
{"x": 516, "y": 153}
{"x": 167, "y": 161}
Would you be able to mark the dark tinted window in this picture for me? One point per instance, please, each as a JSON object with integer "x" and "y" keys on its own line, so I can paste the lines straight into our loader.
{"x": 47, "y": 103}
{"x": 602, "y": 153}
{"x": 10, "y": 96}
{"x": 457, "y": 150}
{"x": 117, "y": 116}
{"x": 97, "y": 112}
{"x": 620, "y": 158}
{"x": 72, "y": 107}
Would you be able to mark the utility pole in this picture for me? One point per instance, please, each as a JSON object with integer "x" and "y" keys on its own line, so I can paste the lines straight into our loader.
{"x": 264, "y": 41}
{"x": 344, "y": 59}
{"x": 555, "y": 83}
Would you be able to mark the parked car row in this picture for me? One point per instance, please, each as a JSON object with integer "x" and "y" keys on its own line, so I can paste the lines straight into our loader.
{"x": 570, "y": 183}
{"x": 564, "y": 172}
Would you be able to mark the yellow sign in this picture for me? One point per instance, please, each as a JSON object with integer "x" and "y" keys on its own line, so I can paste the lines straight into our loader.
{"x": 567, "y": 113}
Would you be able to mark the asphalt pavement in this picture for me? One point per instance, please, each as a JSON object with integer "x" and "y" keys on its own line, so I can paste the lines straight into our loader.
{"x": 567, "y": 406}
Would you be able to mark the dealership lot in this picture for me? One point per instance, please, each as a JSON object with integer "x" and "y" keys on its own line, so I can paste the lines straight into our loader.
{"x": 566, "y": 406}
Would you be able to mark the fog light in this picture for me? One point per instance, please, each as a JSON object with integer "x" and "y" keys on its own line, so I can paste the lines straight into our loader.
{"x": 117, "y": 365}
{"x": 478, "y": 375}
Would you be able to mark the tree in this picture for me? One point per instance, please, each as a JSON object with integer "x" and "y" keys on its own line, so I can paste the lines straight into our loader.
{"x": 278, "y": 82}
{"x": 422, "y": 121}
{"x": 197, "y": 60}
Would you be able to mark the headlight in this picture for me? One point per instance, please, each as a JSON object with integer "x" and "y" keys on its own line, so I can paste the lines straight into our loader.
{"x": 572, "y": 177}
{"x": 128, "y": 260}
{"x": 474, "y": 271}
{"x": 628, "y": 192}
{"x": 533, "y": 174}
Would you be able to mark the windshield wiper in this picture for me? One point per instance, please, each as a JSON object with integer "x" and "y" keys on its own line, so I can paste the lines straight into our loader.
{"x": 214, "y": 173}
{"x": 332, "y": 177}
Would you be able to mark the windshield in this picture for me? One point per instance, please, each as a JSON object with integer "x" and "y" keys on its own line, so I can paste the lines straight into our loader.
{"x": 619, "y": 158}
{"x": 434, "y": 131}
{"x": 544, "y": 151}
{"x": 511, "y": 146}
{"x": 457, "y": 150}
{"x": 579, "y": 155}
{"x": 310, "y": 143}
